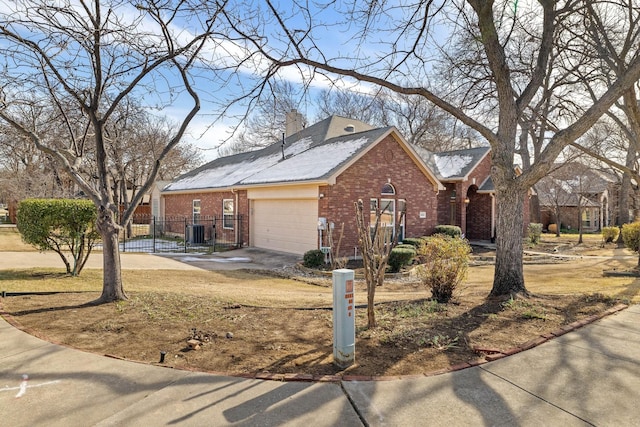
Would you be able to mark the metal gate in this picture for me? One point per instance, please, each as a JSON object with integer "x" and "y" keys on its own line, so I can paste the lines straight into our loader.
{"x": 147, "y": 233}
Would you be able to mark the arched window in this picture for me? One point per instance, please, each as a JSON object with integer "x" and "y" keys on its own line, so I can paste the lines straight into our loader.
{"x": 388, "y": 190}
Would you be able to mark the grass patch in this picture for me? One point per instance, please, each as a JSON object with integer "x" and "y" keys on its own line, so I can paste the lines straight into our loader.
{"x": 11, "y": 241}
{"x": 525, "y": 308}
{"x": 417, "y": 309}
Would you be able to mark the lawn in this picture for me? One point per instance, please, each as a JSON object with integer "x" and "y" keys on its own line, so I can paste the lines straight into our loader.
{"x": 252, "y": 322}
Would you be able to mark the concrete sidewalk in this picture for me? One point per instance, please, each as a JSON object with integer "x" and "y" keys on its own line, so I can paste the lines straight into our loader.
{"x": 587, "y": 377}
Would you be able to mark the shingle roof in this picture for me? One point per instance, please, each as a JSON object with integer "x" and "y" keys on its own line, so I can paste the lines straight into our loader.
{"x": 314, "y": 153}
{"x": 453, "y": 165}
{"x": 563, "y": 185}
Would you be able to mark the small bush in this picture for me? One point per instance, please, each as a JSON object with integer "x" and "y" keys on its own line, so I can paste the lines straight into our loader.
{"x": 610, "y": 234}
{"x": 534, "y": 231}
{"x": 413, "y": 241}
{"x": 400, "y": 256}
{"x": 65, "y": 226}
{"x": 444, "y": 265}
{"x": 313, "y": 258}
{"x": 631, "y": 236}
{"x": 553, "y": 228}
{"x": 406, "y": 246}
{"x": 449, "y": 230}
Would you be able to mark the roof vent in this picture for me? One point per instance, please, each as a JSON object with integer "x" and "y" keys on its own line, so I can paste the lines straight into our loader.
{"x": 350, "y": 128}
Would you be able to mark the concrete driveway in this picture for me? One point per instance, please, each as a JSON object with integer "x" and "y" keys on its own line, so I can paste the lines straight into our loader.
{"x": 244, "y": 258}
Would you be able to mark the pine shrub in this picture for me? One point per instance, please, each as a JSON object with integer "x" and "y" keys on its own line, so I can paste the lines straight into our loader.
{"x": 313, "y": 258}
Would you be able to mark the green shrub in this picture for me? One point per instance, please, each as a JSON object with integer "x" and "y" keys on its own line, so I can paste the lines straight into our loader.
{"x": 400, "y": 256}
{"x": 413, "y": 241}
{"x": 610, "y": 234}
{"x": 313, "y": 258}
{"x": 534, "y": 231}
{"x": 406, "y": 246}
{"x": 64, "y": 226}
{"x": 631, "y": 236}
{"x": 449, "y": 230}
{"x": 444, "y": 265}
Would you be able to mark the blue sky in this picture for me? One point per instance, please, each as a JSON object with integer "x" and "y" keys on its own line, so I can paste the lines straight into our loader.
{"x": 208, "y": 136}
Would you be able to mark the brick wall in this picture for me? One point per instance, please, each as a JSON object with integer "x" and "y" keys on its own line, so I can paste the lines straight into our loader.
{"x": 474, "y": 218}
{"x": 181, "y": 206}
{"x": 478, "y": 226}
{"x": 387, "y": 161}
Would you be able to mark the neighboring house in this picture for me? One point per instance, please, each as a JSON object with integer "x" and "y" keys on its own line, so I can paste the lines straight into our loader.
{"x": 156, "y": 200}
{"x": 142, "y": 213}
{"x": 575, "y": 195}
{"x": 287, "y": 194}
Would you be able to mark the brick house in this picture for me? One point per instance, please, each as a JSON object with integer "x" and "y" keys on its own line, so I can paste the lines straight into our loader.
{"x": 289, "y": 194}
{"x": 576, "y": 196}
{"x": 468, "y": 200}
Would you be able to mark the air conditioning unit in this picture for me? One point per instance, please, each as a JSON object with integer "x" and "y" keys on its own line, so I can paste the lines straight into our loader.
{"x": 195, "y": 234}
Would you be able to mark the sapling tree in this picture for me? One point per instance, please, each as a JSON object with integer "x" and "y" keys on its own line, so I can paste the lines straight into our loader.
{"x": 376, "y": 240}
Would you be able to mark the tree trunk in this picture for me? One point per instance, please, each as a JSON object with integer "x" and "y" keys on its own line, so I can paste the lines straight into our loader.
{"x": 579, "y": 220}
{"x": 509, "y": 277}
{"x": 112, "y": 289}
{"x": 623, "y": 200}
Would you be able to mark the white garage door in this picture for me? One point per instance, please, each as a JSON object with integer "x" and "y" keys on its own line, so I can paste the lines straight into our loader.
{"x": 285, "y": 225}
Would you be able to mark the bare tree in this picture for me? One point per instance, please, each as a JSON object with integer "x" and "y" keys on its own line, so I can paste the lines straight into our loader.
{"x": 344, "y": 103}
{"x": 554, "y": 196}
{"x": 27, "y": 171}
{"x": 84, "y": 58}
{"x": 135, "y": 139}
{"x": 375, "y": 243}
{"x": 266, "y": 122}
{"x": 418, "y": 120}
{"x": 613, "y": 30}
{"x": 493, "y": 98}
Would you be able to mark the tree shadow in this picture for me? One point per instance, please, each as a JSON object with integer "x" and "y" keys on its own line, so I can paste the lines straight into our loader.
{"x": 51, "y": 309}
{"x": 33, "y": 274}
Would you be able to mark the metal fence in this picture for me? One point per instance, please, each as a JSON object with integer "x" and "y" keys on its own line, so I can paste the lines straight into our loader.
{"x": 147, "y": 233}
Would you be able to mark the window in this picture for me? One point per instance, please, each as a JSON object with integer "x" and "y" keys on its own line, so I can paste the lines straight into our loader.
{"x": 388, "y": 216}
{"x": 196, "y": 211}
{"x": 452, "y": 208}
{"x": 227, "y": 213}
{"x": 373, "y": 210}
{"x": 388, "y": 190}
{"x": 589, "y": 218}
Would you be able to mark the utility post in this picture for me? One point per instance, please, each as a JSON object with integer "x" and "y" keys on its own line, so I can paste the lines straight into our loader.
{"x": 344, "y": 318}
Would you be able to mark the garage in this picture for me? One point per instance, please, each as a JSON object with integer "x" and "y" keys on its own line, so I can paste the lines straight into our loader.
{"x": 284, "y": 225}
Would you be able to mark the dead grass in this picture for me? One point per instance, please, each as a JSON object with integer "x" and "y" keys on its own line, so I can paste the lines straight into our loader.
{"x": 284, "y": 325}
{"x": 10, "y": 240}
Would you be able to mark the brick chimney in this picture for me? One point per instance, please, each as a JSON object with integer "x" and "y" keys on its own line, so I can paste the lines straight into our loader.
{"x": 294, "y": 122}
